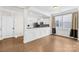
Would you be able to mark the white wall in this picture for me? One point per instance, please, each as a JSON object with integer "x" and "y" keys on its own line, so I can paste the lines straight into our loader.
{"x": 19, "y": 24}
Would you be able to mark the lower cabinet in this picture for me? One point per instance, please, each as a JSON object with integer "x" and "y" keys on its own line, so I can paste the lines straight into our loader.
{"x": 35, "y": 33}
{"x": 28, "y": 35}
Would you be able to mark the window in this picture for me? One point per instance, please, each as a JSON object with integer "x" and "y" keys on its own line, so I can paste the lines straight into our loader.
{"x": 63, "y": 24}
{"x": 67, "y": 21}
{"x": 58, "y": 21}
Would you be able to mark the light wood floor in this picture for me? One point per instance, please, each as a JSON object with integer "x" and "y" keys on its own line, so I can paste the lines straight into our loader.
{"x": 46, "y": 44}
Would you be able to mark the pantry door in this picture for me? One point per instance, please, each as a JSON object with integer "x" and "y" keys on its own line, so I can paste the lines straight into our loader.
{"x": 7, "y": 26}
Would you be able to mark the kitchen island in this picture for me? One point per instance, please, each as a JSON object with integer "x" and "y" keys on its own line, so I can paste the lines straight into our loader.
{"x": 31, "y": 34}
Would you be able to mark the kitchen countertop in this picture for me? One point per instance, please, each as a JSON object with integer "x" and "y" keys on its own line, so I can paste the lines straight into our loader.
{"x": 38, "y": 27}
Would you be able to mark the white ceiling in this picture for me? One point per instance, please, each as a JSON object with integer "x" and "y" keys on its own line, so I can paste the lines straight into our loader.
{"x": 48, "y": 10}
{"x": 44, "y": 10}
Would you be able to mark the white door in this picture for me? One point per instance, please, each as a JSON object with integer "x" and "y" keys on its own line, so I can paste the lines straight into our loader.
{"x": 10, "y": 26}
{"x": 7, "y": 26}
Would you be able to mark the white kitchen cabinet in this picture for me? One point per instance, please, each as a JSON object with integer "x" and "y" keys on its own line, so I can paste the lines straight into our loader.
{"x": 48, "y": 31}
{"x": 28, "y": 35}
{"x": 45, "y": 31}
{"x": 36, "y": 33}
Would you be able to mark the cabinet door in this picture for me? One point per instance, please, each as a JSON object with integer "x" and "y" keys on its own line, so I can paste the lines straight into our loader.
{"x": 36, "y": 33}
{"x": 28, "y": 35}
